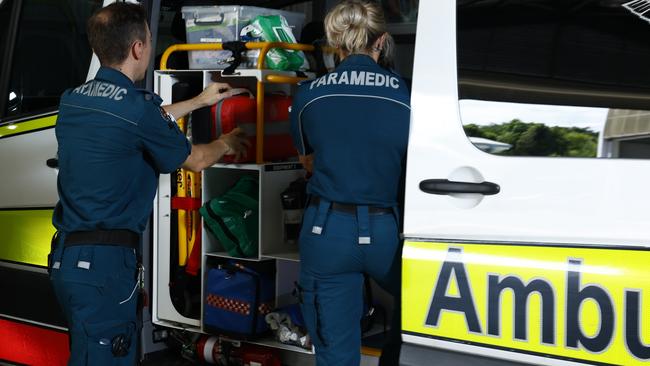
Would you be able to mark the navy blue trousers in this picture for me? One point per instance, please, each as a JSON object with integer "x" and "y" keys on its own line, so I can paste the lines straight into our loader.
{"x": 331, "y": 280}
{"x": 96, "y": 287}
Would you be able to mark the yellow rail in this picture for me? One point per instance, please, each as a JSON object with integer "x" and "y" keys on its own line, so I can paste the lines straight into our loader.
{"x": 264, "y": 48}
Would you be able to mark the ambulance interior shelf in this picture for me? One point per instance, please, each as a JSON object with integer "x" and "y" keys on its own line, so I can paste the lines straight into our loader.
{"x": 273, "y": 179}
{"x": 189, "y": 192}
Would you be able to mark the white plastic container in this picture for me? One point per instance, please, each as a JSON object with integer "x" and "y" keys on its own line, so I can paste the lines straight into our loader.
{"x": 209, "y": 24}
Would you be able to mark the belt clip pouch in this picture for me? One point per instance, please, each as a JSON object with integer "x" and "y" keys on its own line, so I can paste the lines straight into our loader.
{"x": 50, "y": 256}
{"x": 237, "y": 299}
{"x": 109, "y": 339}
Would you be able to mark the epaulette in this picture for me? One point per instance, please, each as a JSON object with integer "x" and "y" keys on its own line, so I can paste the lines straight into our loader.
{"x": 150, "y": 96}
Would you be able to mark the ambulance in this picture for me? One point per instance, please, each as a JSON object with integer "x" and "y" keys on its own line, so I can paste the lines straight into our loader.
{"x": 509, "y": 258}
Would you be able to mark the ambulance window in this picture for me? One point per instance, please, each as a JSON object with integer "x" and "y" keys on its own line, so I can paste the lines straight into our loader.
{"x": 549, "y": 78}
{"x": 5, "y": 13}
{"x": 5, "y": 20}
{"x": 171, "y": 30}
{"x": 400, "y": 12}
{"x": 51, "y": 53}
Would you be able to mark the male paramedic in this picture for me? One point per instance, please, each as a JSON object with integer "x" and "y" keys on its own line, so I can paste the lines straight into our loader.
{"x": 113, "y": 142}
{"x": 353, "y": 124}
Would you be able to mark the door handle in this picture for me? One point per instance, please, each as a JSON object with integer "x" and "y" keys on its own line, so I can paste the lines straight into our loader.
{"x": 445, "y": 186}
{"x": 52, "y": 163}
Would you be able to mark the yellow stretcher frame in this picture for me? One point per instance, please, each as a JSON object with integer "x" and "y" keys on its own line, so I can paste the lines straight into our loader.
{"x": 184, "y": 217}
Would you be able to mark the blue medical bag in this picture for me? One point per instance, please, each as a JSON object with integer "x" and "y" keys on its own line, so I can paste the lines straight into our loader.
{"x": 238, "y": 297}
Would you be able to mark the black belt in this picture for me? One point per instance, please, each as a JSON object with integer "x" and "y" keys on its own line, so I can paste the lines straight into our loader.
{"x": 122, "y": 238}
{"x": 351, "y": 208}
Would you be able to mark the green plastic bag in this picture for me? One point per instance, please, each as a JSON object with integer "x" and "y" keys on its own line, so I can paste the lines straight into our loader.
{"x": 274, "y": 28}
{"x": 233, "y": 218}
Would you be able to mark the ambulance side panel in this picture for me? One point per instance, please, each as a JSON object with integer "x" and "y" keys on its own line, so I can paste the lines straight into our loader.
{"x": 590, "y": 201}
{"x": 592, "y": 212}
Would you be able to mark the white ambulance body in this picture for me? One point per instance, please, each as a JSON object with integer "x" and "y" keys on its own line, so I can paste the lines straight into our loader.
{"x": 549, "y": 264}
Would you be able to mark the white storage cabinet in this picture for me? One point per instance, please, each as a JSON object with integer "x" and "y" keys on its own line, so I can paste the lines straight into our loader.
{"x": 273, "y": 178}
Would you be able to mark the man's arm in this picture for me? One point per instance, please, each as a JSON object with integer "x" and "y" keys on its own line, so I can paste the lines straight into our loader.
{"x": 209, "y": 96}
{"x": 206, "y": 155}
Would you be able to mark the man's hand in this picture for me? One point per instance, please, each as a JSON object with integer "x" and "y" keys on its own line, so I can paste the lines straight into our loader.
{"x": 236, "y": 142}
{"x": 213, "y": 93}
{"x": 205, "y": 155}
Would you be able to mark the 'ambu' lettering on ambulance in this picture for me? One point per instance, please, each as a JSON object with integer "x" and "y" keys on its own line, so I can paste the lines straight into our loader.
{"x": 365, "y": 78}
{"x": 576, "y": 296}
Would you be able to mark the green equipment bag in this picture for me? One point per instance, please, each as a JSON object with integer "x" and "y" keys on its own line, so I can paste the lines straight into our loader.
{"x": 233, "y": 218}
{"x": 274, "y": 28}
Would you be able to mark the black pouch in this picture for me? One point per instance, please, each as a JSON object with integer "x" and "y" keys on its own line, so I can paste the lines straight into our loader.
{"x": 50, "y": 256}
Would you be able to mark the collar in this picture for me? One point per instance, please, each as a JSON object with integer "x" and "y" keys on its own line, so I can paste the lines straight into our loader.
{"x": 114, "y": 76}
{"x": 357, "y": 59}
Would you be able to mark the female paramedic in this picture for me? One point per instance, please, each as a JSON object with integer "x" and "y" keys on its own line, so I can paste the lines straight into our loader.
{"x": 353, "y": 125}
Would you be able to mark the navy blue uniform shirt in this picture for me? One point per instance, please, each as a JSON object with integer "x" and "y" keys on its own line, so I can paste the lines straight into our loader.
{"x": 114, "y": 140}
{"x": 355, "y": 120}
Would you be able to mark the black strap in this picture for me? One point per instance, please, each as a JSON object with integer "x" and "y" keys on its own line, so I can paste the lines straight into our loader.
{"x": 122, "y": 238}
{"x": 232, "y": 268}
{"x": 369, "y": 301}
{"x": 53, "y": 243}
{"x": 236, "y": 47}
{"x": 256, "y": 305}
{"x": 351, "y": 208}
{"x": 224, "y": 229}
{"x": 321, "y": 69}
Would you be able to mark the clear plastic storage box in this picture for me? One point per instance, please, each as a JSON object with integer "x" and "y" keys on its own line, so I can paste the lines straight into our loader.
{"x": 209, "y": 24}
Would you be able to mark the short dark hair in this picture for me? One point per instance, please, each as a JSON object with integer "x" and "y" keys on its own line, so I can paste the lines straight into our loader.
{"x": 112, "y": 30}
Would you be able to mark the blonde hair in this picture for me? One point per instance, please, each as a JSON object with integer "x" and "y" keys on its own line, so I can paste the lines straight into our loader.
{"x": 353, "y": 26}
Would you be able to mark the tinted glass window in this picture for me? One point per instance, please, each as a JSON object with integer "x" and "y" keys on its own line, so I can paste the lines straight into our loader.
{"x": 554, "y": 78}
{"x": 5, "y": 12}
{"x": 400, "y": 11}
{"x": 51, "y": 53}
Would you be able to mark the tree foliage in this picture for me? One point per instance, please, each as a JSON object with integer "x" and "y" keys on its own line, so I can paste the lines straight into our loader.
{"x": 537, "y": 139}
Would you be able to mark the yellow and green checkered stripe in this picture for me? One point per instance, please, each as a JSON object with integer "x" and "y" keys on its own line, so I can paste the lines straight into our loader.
{"x": 27, "y": 126}
{"x": 25, "y": 235}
